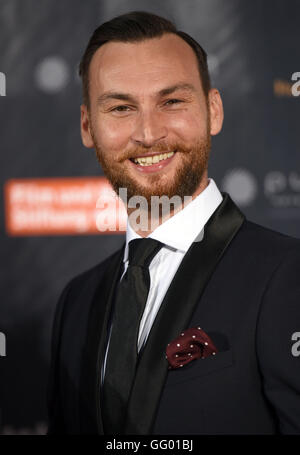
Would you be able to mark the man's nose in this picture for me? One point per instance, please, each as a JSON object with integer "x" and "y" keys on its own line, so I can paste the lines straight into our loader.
{"x": 149, "y": 129}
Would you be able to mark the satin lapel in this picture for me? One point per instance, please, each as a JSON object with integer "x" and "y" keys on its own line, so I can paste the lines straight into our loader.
{"x": 176, "y": 311}
{"x": 90, "y": 415}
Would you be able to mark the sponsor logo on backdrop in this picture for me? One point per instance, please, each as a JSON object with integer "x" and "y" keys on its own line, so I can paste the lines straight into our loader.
{"x": 60, "y": 206}
{"x": 241, "y": 185}
{"x": 52, "y": 74}
{"x": 2, "y": 84}
{"x": 282, "y": 189}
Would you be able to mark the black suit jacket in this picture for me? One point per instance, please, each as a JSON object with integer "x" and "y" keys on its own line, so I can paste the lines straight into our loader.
{"x": 241, "y": 285}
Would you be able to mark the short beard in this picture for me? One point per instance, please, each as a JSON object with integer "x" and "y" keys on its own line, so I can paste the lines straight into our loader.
{"x": 186, "y": 180}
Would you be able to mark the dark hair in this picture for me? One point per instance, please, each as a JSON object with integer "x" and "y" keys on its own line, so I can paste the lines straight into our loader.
{"x": 133, "y": 27}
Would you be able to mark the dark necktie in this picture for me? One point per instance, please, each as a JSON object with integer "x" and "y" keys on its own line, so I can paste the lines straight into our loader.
{"x": 131, "y": 297}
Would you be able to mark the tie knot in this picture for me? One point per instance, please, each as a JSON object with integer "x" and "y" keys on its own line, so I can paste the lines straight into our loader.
{"x": 142, "y": 251}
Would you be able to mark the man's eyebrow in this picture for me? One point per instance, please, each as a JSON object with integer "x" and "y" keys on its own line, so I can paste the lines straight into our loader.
{"x": 127, "y": 97}
{"x": 183, "y": 86}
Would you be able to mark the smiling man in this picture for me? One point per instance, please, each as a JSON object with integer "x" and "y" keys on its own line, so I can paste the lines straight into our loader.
{"x": 188, "y": 328}
{"x": 150, "y": 115}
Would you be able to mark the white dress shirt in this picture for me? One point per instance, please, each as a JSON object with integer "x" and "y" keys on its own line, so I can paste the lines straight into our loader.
{"x": 177, "y": 233}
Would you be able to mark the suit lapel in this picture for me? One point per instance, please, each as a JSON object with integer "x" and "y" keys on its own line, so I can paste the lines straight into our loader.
{"x": 94, "y": 349}
{"x": 176, "y": 311}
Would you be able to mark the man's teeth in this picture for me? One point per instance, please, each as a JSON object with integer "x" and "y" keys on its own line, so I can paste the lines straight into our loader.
{"x": 147, "y": 161}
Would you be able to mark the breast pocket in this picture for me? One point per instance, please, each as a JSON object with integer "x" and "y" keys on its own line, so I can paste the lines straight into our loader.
{"x": 199, "y": 368}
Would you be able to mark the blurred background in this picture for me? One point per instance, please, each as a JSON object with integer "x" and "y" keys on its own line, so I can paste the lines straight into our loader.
{"x": 51, "y": 183}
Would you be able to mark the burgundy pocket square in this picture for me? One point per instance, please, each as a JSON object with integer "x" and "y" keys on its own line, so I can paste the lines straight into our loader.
{"x": 191, "y": 344}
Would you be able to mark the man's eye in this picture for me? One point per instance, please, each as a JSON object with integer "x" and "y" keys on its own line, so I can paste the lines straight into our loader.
{"x": 173, "y": 101}
{"x": 122, "y": 108}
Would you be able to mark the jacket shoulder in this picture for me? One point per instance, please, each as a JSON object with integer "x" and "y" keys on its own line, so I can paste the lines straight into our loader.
{"x": 266, "y": 240}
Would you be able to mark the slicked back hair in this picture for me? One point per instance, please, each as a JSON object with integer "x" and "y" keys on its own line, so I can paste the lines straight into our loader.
{"x": 134, "y": 27}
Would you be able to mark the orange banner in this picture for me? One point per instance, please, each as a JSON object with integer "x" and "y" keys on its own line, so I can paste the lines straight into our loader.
{"x": 68, "y": 206}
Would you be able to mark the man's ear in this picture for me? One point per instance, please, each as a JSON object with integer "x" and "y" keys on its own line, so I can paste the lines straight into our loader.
{"x": 85, "y": 127}
{"x": 216, "y": 111}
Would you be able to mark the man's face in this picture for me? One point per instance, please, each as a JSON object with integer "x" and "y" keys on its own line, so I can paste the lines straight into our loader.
{"x": 146, "y": 99}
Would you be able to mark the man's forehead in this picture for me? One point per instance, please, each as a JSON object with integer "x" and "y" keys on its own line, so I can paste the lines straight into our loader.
{"x": 166, "y": 56}
{"x": 165, "y": 45}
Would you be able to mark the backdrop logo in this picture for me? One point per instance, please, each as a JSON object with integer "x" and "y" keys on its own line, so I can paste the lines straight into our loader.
{"x": 55, "y": 206}
{"x": 296, "y": 86}
{"x": 281, "y": 189}
{"x": 2, "y": 84}
{"x": 241, "y": 185}
{"x": 2, "y": 345}
{"x": 52, "y": 74}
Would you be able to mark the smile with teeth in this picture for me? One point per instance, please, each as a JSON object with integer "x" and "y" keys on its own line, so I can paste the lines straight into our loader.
{"x": 148, "y": 160}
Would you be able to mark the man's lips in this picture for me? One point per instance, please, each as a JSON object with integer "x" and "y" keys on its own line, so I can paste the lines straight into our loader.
{"x": 149, "y": 168}
{"x": 151, "y": 154}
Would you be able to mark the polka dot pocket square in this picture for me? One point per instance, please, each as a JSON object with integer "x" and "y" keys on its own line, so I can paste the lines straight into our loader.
{"x": 191, "y": 344}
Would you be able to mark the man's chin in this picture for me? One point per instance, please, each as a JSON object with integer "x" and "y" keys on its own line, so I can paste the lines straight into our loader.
{"x": 151, "y": 196}
{"x": 145, "y": 193}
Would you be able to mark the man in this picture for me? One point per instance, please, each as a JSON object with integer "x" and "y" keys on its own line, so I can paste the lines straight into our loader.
{"x": 119, "y": 369}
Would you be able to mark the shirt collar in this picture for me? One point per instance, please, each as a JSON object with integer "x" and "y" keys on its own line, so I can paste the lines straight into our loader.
{"x": 180, "y": 230}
